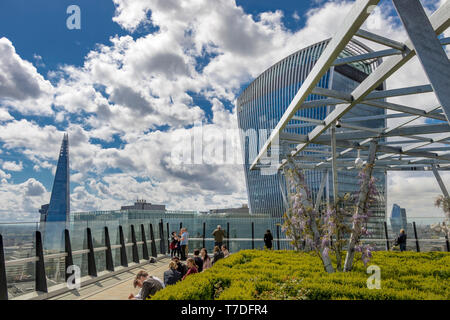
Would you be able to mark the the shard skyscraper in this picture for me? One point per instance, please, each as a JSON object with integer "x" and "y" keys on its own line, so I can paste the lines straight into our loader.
{"x": 56, "y": 215}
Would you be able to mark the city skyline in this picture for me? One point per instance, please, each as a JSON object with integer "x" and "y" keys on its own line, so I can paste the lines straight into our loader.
{"x": 121, "y": 131}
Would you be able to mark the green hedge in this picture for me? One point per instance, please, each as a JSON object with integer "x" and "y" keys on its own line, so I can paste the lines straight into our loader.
{"x": 257, "y": 274}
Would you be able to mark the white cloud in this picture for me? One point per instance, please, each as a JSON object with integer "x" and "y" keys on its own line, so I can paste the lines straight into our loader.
{"x": 130, "y": 88}
{"x": 21, "y": 86}
{"x": 12, "y": 166}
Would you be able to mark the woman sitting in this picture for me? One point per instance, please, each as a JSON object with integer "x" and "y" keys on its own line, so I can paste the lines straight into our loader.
{"x": 192, "y": 267}
{"x": 217, "y": 255}
{"x": 225, "y": 251}
{"x": 206, "y": 259}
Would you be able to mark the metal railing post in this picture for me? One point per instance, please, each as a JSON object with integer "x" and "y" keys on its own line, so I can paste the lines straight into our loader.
{"x": 447, "y": 243}
{"x": 253, "y": 235}
{"x": 228, "y": 236}
{"x": 144, "y": 245}
{"x": 278, "y": 237}
{"x": 108, "y": 253}
{"x": 3, "y": 284}
{"x": 68, "y": 249}
{"x": 153, "y": 245}
{"x": 123, "y": 249}
{"x": 181, "y": 225}
{"x": 161, "y": 238}
{"x": 168, "y": 238}
{"x": 135, "y": 247}
{"x": 415, "y": 235}
{"x": 41, "y": 280}
{"x": 92, "y": 269}
{"x": 386, "y": 235}
{"x": 204, "y": 234}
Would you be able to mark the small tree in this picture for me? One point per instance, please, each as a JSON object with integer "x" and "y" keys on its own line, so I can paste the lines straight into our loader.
{"x": 304, "y": 223}
{"x": 444, "y": 203}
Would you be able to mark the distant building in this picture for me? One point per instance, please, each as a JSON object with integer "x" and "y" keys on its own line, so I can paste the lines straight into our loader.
{"x": 143, "y": 205}
{"x": 398, "y": 218}
{"x": 244, "y": 210}
{"x": 59, "y": 207}
{"x": 55, "y": 214}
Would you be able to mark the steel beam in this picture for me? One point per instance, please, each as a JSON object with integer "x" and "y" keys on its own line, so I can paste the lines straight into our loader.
{"x": 428, "y": 48}
{"x": 440, "y": 22}
{"x": 334, "y": 164}
{"x": 440, "y": 182}
{"x": 367, "y": 56}
{"x": 380, "y": 39}
{"x": 352, "y": 22}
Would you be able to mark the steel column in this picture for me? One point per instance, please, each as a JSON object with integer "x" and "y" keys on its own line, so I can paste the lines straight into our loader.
{"x": 253, "y": 235}
{"x": 68, "y": 249}
{"x": 278, "y": 237}
{"x": 144, "y": 244}
{"x": 228, "y": 235}
{"x": 386, "y": 235}
{"x": 41, "y": 280}
{"x": 108, "y": 253}
{"x": 204, "y": 234}
{"x": 428, "y": 49}
{"x": 415, "y": 235}
{"x": 3, "y": 284}
{"x": 320, "y": 192}
{"x": 153, "y": 244}
{"x": 447, "y": 243}
{"x": 134, "y": 247}
{"x": 123, "y": 249}
{"x": 168, "y": 238}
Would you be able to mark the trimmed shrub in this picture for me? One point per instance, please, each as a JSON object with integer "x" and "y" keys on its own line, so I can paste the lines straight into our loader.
{"x": 282, "y": 275}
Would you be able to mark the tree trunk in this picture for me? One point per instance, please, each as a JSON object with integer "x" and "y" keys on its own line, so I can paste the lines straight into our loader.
{"x": 299, "y": 183}
{"x": 363, "y": 195}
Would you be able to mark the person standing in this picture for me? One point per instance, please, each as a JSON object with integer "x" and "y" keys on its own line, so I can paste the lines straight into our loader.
{"x": 268, "y": 238}
{"x": 184, "y": 243}
{"x": 174, "y": 245}
{"x": 401, "y": 240}
{"x": 218, "y": 234}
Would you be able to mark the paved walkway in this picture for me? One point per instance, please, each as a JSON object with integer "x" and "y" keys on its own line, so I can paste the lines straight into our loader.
{"x": 117, "y": 287}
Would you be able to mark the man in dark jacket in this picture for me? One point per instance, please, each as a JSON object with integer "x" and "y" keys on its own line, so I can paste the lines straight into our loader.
{"x": 172, "y": 276}
{"x": 149, "y": 287}
{"x": 401, "y": 240}
{"x": 218, "y": 234}
{"x": 198, "y": 260}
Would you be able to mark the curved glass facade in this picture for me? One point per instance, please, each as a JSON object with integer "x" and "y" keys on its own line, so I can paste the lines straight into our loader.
{"x": 262, "y": 104}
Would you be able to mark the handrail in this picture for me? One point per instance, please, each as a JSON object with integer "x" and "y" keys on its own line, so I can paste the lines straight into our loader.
{"x": 143, "y": 251}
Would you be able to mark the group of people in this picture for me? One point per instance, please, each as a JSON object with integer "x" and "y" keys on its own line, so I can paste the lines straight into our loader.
{"x": 179, "y": 244}
{"x": 177, "y": 271}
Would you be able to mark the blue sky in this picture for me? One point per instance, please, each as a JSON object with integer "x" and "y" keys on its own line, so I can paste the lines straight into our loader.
{"x": 136, "y": 75}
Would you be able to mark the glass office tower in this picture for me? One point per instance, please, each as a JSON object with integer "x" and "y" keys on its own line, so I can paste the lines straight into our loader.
{"x": 262, "y": 104}
{"x": 56, "y": 214}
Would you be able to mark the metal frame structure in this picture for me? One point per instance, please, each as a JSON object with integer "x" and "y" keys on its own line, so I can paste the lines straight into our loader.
{"x": 414, "y": 147}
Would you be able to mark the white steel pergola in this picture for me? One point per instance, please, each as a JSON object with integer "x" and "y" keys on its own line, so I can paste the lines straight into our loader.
{"x": 414, "y": 147}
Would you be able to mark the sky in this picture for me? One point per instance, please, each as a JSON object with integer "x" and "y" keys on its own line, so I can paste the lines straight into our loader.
{"x": 137, "y": 78}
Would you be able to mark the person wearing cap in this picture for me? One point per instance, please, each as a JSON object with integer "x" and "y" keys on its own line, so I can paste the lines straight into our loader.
{"x": 218, "y": 234}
